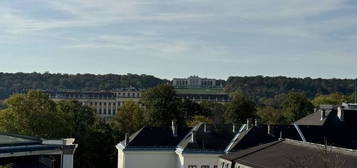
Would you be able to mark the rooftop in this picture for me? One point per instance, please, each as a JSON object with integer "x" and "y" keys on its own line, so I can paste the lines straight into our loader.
{"x": 291, "y": 153}
{"x": 155, "y": 138}
{"x": 14, "y": 140}
{"x": 203, "y": 91}
{"x": 208, "y": 138}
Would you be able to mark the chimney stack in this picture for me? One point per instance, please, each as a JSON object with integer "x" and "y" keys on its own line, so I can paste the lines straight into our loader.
{"x": 248, "y": 123}
{"x": 126, "y": 141}
{"x": 174, "y": 128}
{"x": 322, "y": 112}
{"x": 340, "y": 113}
{"x": 234, "y": 128}
{"x": 193, "y": 136}
{"x": 281, "y": 135}
{"x": 269, "y": 131}
{"x": 205, "y": 128}
{"x": 255, "y": 122}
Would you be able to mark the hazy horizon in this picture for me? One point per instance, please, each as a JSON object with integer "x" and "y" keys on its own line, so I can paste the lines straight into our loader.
{"x": 170, "y": 78}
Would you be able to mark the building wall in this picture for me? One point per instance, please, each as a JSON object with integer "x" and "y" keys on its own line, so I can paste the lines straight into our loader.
{"x": 145, "y": 159}
{"x": 121, "y": 161}
{"x": 225, "y": 163}
{"x": 198, "y": 160}
{"x": 105, "y": 106}
{"x": 194, "y": 82}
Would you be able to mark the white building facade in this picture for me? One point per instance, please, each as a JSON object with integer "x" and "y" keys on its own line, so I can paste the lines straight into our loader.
{"x": 198, "y": 147}
{"x": 106, "y": 104}
{"x": 194, "y": 82}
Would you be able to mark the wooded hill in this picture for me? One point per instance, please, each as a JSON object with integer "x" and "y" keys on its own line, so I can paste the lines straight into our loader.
{"x": 18, "y": 82}
{"x": 259, "y": 87}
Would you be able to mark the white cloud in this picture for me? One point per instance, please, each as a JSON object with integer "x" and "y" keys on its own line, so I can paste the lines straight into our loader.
{"x": 227, "y": 32}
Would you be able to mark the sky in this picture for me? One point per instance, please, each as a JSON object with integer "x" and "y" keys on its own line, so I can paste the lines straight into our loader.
{"x": 179, "y": 38}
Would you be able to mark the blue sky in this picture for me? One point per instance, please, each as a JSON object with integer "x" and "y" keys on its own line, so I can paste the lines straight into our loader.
{"x": 171, "y": 38}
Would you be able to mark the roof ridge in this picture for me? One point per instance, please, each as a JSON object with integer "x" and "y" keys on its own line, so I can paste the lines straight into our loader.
{"x": 195, "y": 128}
{"x": 263, "y": 146}
{"x": 22, "y": 136}
{"x": 346, "y": 151}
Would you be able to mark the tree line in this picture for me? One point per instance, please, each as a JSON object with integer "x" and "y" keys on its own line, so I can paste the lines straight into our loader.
{"x": 11, "y": 83}
{"x": 260, "y": 88}
{"x": 34, "y": 114}
{"x": 256, "y": 87}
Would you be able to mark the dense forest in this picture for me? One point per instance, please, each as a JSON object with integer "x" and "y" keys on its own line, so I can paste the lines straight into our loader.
{"x": 256, "y": 87}
{"x": 19, "y": 82}
{"x": 259, "y": 87}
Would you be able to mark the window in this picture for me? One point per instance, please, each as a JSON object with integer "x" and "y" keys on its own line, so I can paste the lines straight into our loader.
{"x": 105, "y": 111}
{"x": 192, "y": 166}
{"x": 205, "y": 166}
{"x": 215, "y": 166}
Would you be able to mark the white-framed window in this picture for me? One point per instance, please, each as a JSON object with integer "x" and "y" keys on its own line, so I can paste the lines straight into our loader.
{"x": 205, "y": 166}
{"x": 192, "y": 166}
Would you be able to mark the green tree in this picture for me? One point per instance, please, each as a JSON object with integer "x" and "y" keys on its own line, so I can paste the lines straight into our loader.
{"x": 161, "y": 106}
{"x": 214, "y": 111}
{"x": 33, "y": 114}
{"x": 101, "y": 151}
{"x": 81, "y": 120}
{"x": 240, "y": 109}
{"x": 333, "y": 98}
{"x": 198, "y": 119}
{"x": 270, "y": 115}
{"x": 189, "y": 108}
{"x": 7, "y": 166}
{"x": 129, "y": 119}
{"x": 295, "y": 106}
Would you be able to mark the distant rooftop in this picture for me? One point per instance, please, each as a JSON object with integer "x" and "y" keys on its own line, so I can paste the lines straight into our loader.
{"x": 212, "y": 91}
{"x": 12, "y": 140}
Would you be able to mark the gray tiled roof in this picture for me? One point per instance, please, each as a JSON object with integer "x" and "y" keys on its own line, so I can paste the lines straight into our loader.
{"x": 281, "y": 154}
{"x": 12, "y": 140}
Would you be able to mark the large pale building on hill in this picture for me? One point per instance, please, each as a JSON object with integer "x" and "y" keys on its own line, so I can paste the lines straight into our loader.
{"x": 106, "y": 103}
{"x": 194, "y": 82}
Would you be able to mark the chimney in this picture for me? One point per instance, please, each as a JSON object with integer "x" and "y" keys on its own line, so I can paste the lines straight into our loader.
{"x": 174, "y": 128}
{"x": 322, "y": 112}
{"x": 281, "y": 135}
{"x": 193, "y": 136}
{"x": 205, "y": 128}
{"x": 234, "y": 128}
{"x": 255, "y": 122}
{"x": 340, "y": 113}
{"x": 269, "y": 131}
{"x": 248, "y": 123}
{"x": 126, "y": 141}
